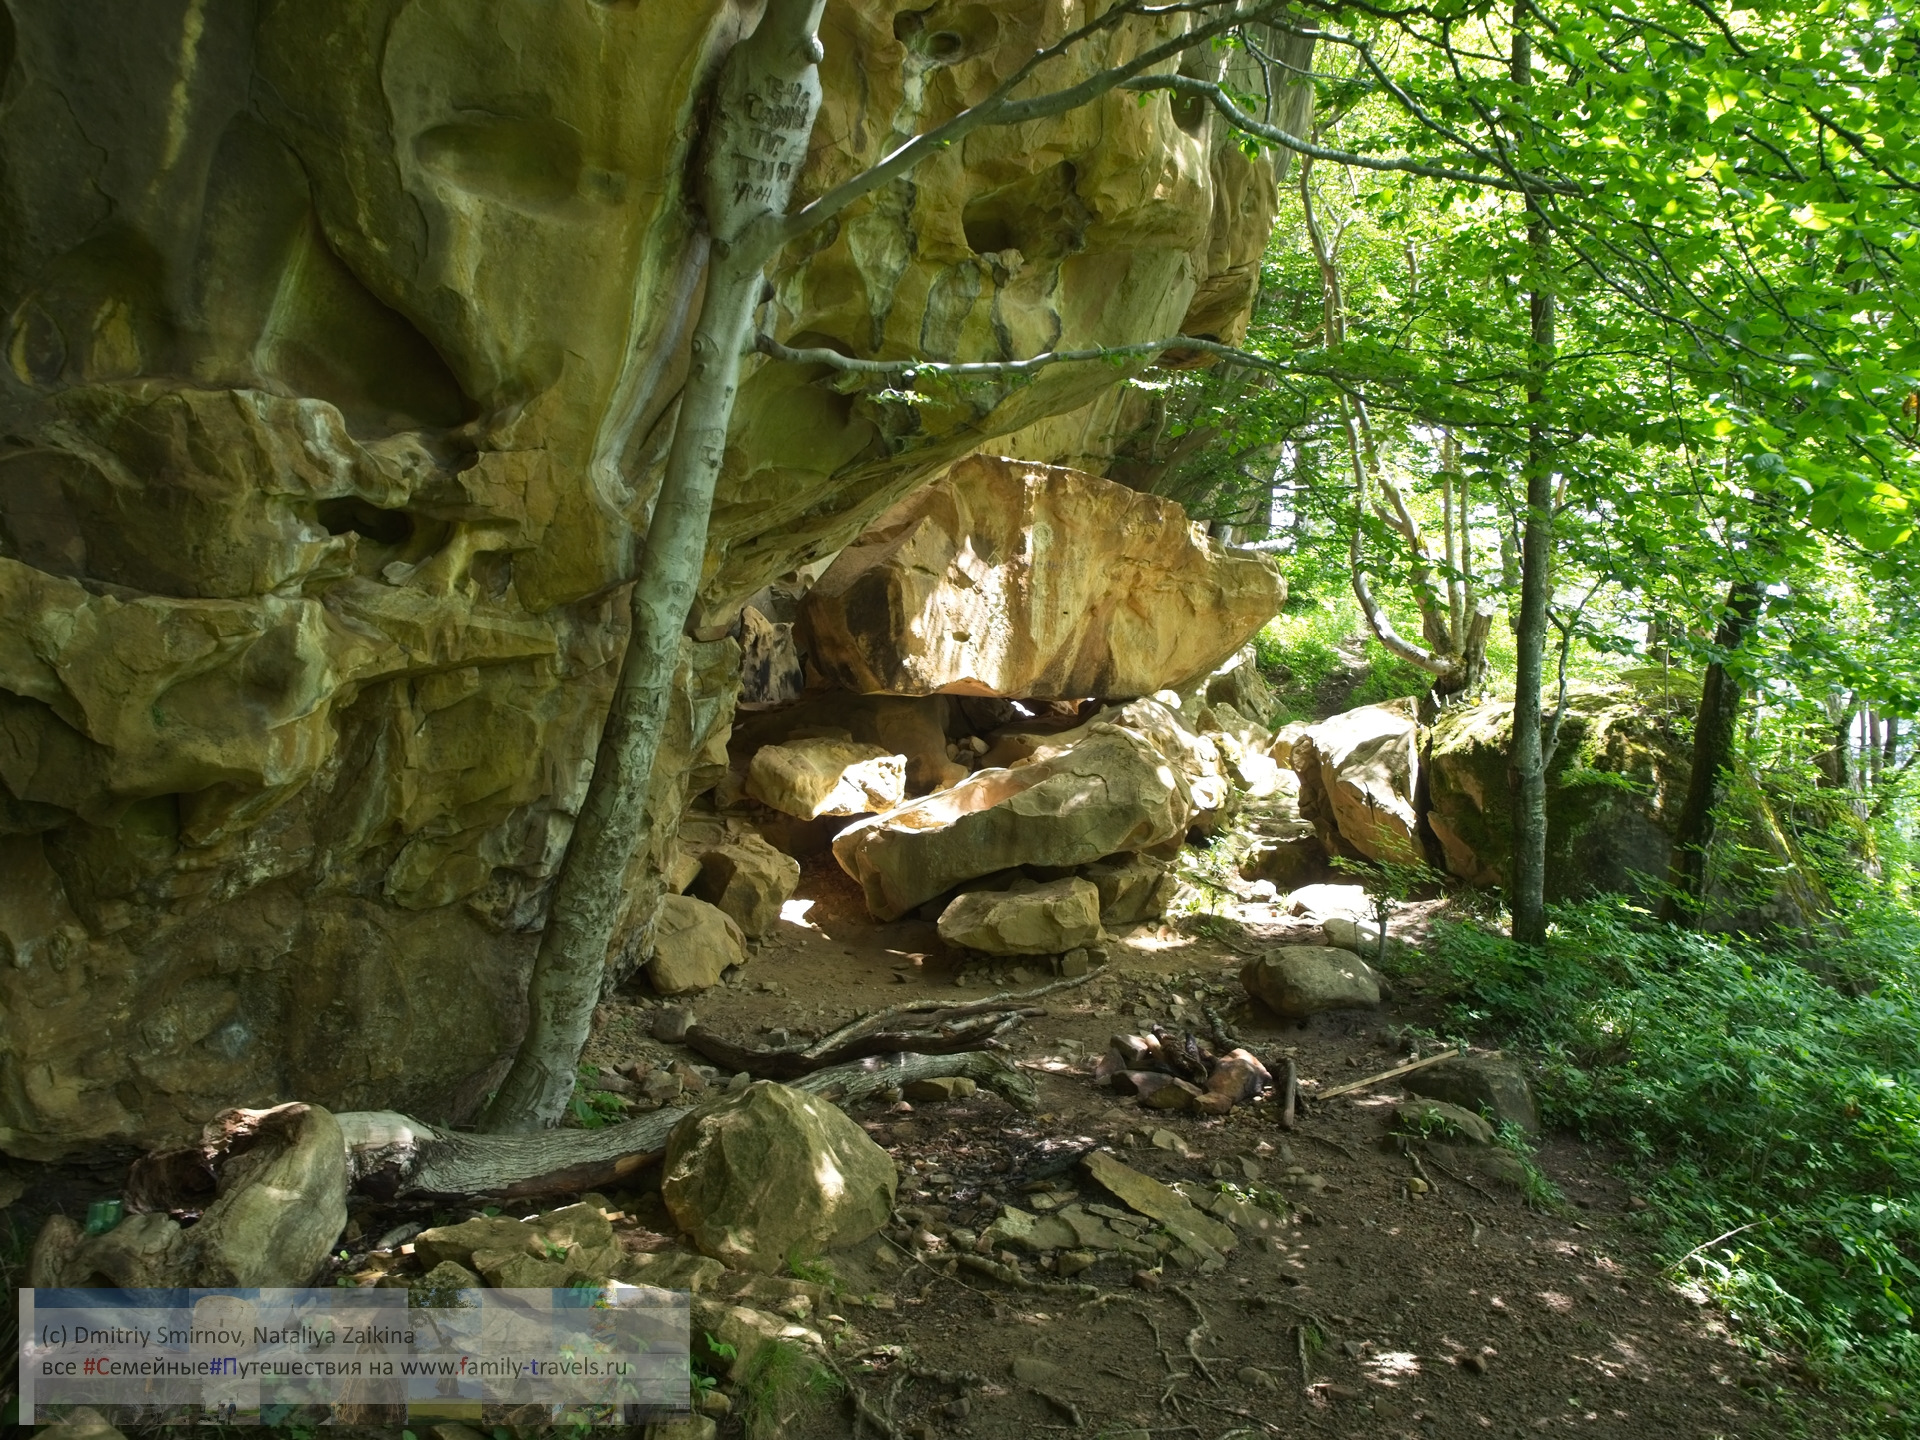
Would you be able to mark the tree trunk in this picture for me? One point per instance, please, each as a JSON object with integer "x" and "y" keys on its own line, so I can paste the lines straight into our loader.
{"x": 769, "y": 92}
{"x": 390, "y": 1156}
{"x": 1714, "y": 728}
{"x": 1527, "y": 760}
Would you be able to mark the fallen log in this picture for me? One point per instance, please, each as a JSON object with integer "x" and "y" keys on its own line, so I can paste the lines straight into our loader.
{"x": 961, "y": 1025}
{"x": 392, "y": 1156}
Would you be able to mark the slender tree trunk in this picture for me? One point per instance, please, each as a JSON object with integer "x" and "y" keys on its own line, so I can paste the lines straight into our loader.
{"x": 1528, "y": 760}
{"x": 1714, "y": 728}
{"x": 769, "y": 93}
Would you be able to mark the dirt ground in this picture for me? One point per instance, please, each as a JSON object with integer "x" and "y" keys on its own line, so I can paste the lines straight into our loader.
{"x": 1376, "y": 1308}
{"x": 1377, "y": 1312}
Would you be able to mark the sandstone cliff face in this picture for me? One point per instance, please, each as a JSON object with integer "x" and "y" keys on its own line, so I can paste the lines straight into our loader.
{"x": 341, "y": 342}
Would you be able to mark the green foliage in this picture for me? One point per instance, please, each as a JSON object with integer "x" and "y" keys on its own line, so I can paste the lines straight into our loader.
{"x": 590, "y": 1108}
{"x": 782, "y": 1380}
{"x": 1782, "y": 1108}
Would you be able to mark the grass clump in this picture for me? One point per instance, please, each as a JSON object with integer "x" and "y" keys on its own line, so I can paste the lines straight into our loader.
{"x": 1776, "y": 1096}
{"x": 780, "y": 1381}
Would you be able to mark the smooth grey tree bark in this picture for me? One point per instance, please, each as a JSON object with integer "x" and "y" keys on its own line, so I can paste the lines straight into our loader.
{"x": 768, "y": 96}
{"x": 1528, "y": 757}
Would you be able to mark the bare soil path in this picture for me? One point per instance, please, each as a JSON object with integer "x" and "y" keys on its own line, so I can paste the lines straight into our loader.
{"x": 1382, "y": 1310}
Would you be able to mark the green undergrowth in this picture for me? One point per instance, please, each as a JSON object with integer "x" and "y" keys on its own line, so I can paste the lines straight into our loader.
{"x": 1775, "y": 1100}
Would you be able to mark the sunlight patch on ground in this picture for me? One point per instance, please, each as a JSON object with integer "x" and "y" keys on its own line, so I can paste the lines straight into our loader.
{"x": 1392, "y": 1367}
{"x": 794, "y": 912}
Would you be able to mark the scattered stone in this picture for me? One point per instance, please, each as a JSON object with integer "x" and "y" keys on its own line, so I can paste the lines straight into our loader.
{"x": 1238, "y": 1076}
{"x": 1158, "y": 1202}
{"x": 1322, "y": 901}
{"x": 1045, "y": 920}
{"x": 768, "y": 1171}
{"x": 1031, "y": 1370}
{"x": 1164, "y": 1092}
{"x": 1072, "y": 1262}
{"x": 85, "y": 1423}
{"x": 748, "y": 879}
{"x": 671, "y": 1023}
{"x": 671, "y": 1270}
{"x": 1472, "y": 1364}
{"x": 1362, "y": 937}
{"x": 693, "y": 944}
{"x": 816, "y": 776}
{"x": 1133, "y": 889}
{"x": 1075, "y": 962}
{"x": 441, "y": 1287}
{"x": 747, "y": 1330}
{"x": 1480, "y": 1083}
{"x": 1436, "y": 1117}
{"x": 1255, "y": 1378}
{"x": 1018, "y": 1230}
{"x": 955, "y": 1087}
{"x": 1295, "y": 981}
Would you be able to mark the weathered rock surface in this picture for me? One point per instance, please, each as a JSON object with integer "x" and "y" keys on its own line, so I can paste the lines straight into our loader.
{"x": 768, "y": 1171}
{"x": 279, "y": 1204}
{"x": 1480, "y": 1083}
{"x": 1443, "y": 1121}
{"x": 693, "y": 944}
{"x": 748, "y": 879}
{"x": 1133, "y": 889}
{"x": 1009, "y": 578}
{"x": 1616, "y": 785}
{"x": 1045, "y": 920}
{"x": 1130, "y": 779}
{"x": 820, "y": 776}
{"x": 1614, "y": 792}
{"x": 344, "y": 343}
{"x": 915, "y": 726}
{"x": 1359, "y": 772}
{"x": 1295, "y": 981}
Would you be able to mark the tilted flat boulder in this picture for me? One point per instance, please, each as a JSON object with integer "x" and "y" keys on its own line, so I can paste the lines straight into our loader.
{"x": 1046, "y": 920}
{"x": 1032, "y": 581}
{"x": 818, "y": 776}
{"x": 770, "y": 1171}
{"x": 1358, "y": 774}
{"x": 748, "y": 879}
{"x": 1130, "y": 779}
{"x": 1133, "y": 888}
{"x": 1295, "y": 981}
{"x": 693, "y": 944}
{"x": 1490, "y": 1083}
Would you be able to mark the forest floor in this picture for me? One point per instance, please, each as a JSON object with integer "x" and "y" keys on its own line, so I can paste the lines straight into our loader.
{"x": 1378, "y": 1310}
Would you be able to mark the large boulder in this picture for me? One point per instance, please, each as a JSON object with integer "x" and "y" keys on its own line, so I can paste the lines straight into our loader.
{"x": 824, "y": 776}
{"x": 693, "y": 944}
{"x": 748, "y": 879}
{"x": 1016, "y": 579}
{"x": 913, "y": 726}
{"x": 1489, "y": 1084}
{"x": 1130, "y": 779}
{"x": 1614, "y": 789}
{"x": 278, "y": 1204}
{"x": 768, "y": 1172}
{"x": 1044, "y": 920}
{"x": 1295, "y": 981}
{"x": 1133, "y": 888}
{"x": 1359, "y": 773}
